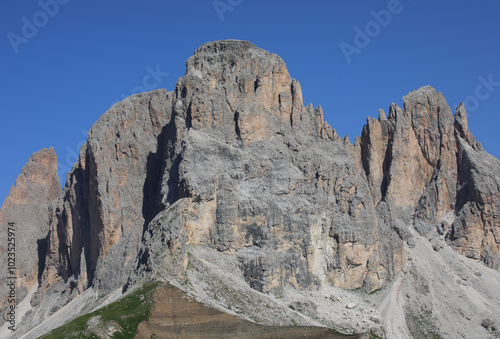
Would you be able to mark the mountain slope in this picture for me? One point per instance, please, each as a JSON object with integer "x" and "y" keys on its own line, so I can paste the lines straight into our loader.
{"x": 169, "y": 313}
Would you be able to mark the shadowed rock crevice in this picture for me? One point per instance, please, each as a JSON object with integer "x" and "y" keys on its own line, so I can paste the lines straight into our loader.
{"x": 236, "y": 124}
{"x": 385, "y": 168}
{"x": 152, "y": 185}
{"x": 42, "y": 253}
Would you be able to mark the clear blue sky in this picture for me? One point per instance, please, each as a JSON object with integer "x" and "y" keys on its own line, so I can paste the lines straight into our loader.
{"x": 63, "y": 67}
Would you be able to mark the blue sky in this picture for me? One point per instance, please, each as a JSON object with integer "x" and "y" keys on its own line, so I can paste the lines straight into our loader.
{"x": 65, "y": 62}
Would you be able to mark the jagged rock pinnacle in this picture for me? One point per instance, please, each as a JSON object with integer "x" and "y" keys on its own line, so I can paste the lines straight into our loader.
{"x": 28, "y": 207}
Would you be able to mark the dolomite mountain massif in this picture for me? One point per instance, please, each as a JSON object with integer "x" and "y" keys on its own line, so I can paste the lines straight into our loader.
{"x": 232, "y": 190}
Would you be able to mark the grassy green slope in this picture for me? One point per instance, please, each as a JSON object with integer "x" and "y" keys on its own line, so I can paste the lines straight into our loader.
{"x": 122, "y": 318}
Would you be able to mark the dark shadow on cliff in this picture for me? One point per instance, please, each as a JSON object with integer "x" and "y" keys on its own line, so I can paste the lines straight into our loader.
{"x": 42, "y": 253}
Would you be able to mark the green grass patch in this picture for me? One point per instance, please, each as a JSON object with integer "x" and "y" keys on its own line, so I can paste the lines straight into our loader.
{"x": 127, "y": 312}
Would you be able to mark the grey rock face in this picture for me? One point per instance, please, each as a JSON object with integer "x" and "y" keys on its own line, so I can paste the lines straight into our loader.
{"x": 267, "y": 179}
{"x": 475, "y": 232}
{"x": 27, "y": 206}
{"x": 231, "y": 164}
{"x": 97, "y": 223}
{"x": 410, "y": 158}
{"x": 426, "y": 167}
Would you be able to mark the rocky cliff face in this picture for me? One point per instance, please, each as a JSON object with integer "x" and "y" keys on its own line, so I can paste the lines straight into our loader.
{"x": 258, "y": 175}
{"x": 97, "y": 223}
{"x": 430, "y": 171}
{"x": 230, "y": 175}
{"x": 262, "y": 178}
{"x": 27, "y": 206}
{"x": 410, "y": 158}
{"x": 475, "y": 232}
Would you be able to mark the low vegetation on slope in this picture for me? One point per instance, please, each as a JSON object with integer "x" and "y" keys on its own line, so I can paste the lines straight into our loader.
{"x": 117, "y": 320}
{"x": 163, "y": 311}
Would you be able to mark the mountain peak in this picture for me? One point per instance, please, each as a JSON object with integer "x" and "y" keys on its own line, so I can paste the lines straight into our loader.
{"x": 228, "y": 45}
{"x": 462, "y": 127}
{"x": 26, "y": 209}
{"x": 37, "y": 179}
{"x": 234, "y": 90}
